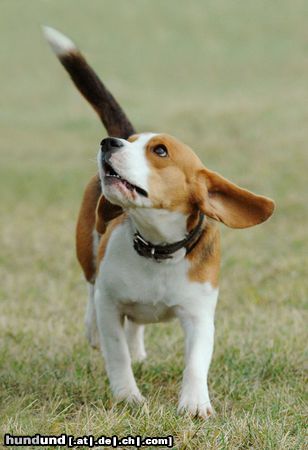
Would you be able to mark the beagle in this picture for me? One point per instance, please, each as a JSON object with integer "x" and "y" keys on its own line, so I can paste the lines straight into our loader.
{"x": 148, "y": 240}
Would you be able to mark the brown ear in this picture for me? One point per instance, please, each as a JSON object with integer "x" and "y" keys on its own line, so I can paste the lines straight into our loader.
{"x": 226, "y": 202}
{"x": 105, "y": 212}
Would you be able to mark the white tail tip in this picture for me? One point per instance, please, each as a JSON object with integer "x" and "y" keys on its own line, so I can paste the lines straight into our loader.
{"x": 59, "y": 43}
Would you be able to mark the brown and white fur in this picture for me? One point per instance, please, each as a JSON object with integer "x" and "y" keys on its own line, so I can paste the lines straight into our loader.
{"x": 160, "y": 190}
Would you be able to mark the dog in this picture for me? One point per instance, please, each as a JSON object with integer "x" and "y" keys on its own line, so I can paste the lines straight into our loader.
{"x": 148, "y": 240}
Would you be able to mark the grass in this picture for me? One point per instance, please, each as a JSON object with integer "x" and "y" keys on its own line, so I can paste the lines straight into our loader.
{"x": 228, "y": 78}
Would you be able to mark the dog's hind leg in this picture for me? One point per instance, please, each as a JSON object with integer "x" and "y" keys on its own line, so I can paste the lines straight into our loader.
{"x": 90, "y": 320}
{"x": 135, "y": 340}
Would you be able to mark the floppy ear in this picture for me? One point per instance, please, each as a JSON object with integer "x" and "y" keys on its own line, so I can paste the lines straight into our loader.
{"x": 105, "y": 212}
{"x": 226, "y": 202}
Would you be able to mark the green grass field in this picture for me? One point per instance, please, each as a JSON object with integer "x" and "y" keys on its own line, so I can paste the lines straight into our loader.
{"x": 231, "y": 80}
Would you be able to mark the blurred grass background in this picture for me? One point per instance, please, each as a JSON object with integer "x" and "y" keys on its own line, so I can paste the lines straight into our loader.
{"x": 228, "y": 78}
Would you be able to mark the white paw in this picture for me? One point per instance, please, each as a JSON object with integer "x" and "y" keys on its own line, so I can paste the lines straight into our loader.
{"x": 196, "y": 403}
{"x": 138, "y": 355}
{"x": 132, "y": 396}
{"x": 92, "y": 336}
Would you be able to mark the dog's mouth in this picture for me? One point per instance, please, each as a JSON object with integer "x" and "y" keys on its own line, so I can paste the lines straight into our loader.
{"x": 112, "y": 176}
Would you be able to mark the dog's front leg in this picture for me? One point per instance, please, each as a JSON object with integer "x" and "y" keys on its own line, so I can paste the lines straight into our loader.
{"x": 115, "y": 350}
{"x": 199, "y": 340}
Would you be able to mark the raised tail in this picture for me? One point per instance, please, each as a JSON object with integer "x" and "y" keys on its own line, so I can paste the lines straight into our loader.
{"x": 89, "y": 84}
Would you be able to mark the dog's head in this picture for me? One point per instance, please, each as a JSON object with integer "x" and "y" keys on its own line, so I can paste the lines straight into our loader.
{"x": 158, "y": 171}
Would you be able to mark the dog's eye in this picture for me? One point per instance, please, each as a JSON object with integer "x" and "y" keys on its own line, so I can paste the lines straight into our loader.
{"x": 160, "y": 150}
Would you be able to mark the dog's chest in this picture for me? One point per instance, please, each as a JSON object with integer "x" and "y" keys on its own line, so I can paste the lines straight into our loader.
{"x": 145, "y": 291}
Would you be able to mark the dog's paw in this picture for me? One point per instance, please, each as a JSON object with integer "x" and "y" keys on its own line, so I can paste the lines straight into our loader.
{"x": 135, "y": 398}
{"x": 138, "y": 355}
{"x": 92, "y": 337}
{"x": 131, "y": 396}
{"x": 196, "y": 405}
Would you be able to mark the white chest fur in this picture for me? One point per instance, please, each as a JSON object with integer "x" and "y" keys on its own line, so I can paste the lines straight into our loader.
{"x": 144, "y": 290}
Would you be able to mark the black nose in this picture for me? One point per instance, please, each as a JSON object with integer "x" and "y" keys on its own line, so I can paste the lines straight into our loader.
{"x": 111, "y": 144}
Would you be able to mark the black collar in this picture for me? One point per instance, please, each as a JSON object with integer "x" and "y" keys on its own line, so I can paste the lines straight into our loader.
{"x": 161, "y": 252}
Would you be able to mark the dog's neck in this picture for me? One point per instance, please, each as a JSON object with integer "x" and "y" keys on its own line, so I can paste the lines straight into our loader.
{"x": 158, "y": 226}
